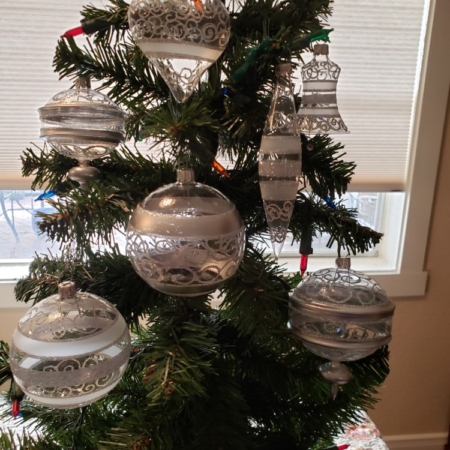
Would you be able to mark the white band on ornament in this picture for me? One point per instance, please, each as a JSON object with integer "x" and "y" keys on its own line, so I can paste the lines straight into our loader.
{"x": 173, "y": 226}
{"x": 155, "y": 49}
{"x": 274, "y": 191}
{"x": 281, "y": 144}
{"x": 93, "y": 344}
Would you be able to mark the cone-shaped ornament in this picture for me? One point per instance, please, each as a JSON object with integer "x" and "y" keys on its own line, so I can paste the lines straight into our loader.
{"x": 181, "y": 38}
{"x": 319, "y": 113}
{"x": 280, "y": 159}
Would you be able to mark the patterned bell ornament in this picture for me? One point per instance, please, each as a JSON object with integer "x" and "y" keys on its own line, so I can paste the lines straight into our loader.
{"x": 70, "y": 349}
{"x": 340, "y": 315}
{"x": 280, "y": 159}
{"x": 319, "y": 113}
{"x": 181, "y": 38}
{"x": 186, "y": 238}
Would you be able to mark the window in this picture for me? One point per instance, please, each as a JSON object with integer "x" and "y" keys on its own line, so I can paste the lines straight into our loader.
{"x": 27, "y": 82}
{"x": 398, "y": 267}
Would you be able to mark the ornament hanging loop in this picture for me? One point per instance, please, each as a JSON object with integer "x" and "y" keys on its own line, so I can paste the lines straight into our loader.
{"x": 67, "y": 289}
{"x": 343, "y": 263}
{"x": 185, "y": 176}
{"x": 321, "y": 49}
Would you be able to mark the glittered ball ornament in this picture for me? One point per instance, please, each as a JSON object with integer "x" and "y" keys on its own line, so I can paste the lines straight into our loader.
{"x": 340, "y": 315}
{"x": 186, "y": 238}
{"x": 181, "y": 38}
{"x": 83, "y": 124}
{"x": 70, "y": 349}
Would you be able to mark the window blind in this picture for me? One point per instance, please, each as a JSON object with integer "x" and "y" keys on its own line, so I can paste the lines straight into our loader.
{"x": 376, "y": 43}
{"x": 378, "y": 46}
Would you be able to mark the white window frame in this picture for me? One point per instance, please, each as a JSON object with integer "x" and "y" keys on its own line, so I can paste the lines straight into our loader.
{"x": 401, "y": 274}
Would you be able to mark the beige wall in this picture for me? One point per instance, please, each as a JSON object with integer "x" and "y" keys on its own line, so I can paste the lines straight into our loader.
{"x": 416, "y": 395}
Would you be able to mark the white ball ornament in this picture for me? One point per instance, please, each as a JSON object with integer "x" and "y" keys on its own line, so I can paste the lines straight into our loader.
{"x": 70, "y": 349}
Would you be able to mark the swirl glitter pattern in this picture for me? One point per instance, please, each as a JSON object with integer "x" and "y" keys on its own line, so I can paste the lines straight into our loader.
{"x": 73, "y": 148}
{"x": 320, "y": 71}
{"x": 341, "y": 288}
{"x": 278, "y": 217}
{"x": 52, "y": 320}
{"x": 81, "y": 97}
{"x": 180, "y": 21}
{"x": 175, "y": 261}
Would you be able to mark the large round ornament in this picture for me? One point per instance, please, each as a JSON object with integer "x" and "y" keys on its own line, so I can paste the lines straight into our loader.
{"x": 181, "y": 38}
{"x": 70, "y": 349}
{"x": 341, "y": 315}
{"x": 186, "y": 238}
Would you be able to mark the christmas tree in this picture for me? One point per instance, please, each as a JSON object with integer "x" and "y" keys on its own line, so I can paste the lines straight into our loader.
{"x": 199, "y": 377}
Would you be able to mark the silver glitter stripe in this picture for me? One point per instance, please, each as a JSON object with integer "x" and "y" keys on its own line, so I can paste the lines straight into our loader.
{"x": 315, "y": 99}
{"x": 75, "y": 377}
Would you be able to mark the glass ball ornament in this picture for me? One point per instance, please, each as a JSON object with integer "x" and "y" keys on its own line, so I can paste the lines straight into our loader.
{"x": 82, "y": 123}
{"x": 70, "y": 349}
{"x": 186, "y": 238}
{"x": 181, "y": 38}
{"x": 340, "y": 315}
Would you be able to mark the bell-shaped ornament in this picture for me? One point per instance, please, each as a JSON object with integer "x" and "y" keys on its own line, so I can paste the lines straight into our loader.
{"x": 280, "y": 159}
{"x": 181, "y": 38}
{"x": 319, "y": 113}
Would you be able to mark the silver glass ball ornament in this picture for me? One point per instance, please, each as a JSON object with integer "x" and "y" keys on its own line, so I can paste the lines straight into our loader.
{"x": 186, "y": 238}
{"x": 340, "y": 315}
{"x": 70, "y": 349}
{"x": 83, "y": 124}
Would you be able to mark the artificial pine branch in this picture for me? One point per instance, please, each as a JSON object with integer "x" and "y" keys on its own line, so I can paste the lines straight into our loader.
{"x": 127, "y": 177}
{"x": 108, "y": 274}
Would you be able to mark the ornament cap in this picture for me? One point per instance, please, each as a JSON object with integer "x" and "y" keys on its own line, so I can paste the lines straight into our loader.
{"x": 185, "y": 176}
{"x": 67, "y": 289}
{"x": 83, "y": 83}
{"x": 343, "y": 263}
{"x": 321, "y": 49}
{"x": 283, "y": 69}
